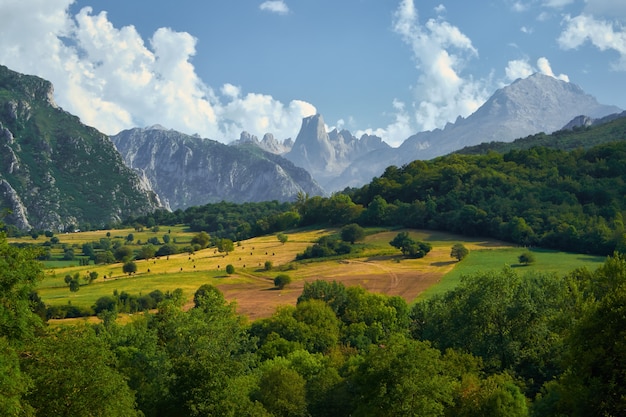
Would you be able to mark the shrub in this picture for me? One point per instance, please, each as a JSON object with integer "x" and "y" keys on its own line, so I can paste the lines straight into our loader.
{"x": 230, "y": 269}
{"x": 526, "y": 258}
{"x": 281, "y": 281}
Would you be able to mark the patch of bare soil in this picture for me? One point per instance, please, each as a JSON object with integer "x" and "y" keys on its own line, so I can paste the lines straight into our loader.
{"x": 407, "y": 279}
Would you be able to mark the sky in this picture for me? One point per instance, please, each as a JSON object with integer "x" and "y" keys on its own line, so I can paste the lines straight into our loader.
{"x": 386, "y": 67}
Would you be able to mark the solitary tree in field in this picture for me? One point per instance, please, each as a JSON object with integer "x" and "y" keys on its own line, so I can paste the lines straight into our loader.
{"x": 201, "y": 239}
{"x": 225, "y": 245}
{"x": 230, "y": 269}
{"x": 526, "y": 258}
{"x": 459, "y": 251}
{"x": 129, "y": 267}
{"x": 281, "y": 281}
{"x": 147, "y": 252}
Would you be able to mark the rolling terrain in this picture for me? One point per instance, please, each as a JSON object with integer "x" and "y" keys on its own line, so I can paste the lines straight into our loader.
{"x": 377, "y": 267}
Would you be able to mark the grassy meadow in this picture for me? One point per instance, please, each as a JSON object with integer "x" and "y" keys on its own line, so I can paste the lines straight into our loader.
{"x": 375, "y": 265}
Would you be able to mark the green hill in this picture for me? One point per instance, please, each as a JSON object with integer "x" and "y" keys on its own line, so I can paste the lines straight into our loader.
{"x": 567, "y": 140}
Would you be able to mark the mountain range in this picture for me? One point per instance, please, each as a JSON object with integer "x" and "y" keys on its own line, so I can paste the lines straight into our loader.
{"x": 189, "y": 171}
{"x": 57, "y": 174}
{"x": 539, "y": 103}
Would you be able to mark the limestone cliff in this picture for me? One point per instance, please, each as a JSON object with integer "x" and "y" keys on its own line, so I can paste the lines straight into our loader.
{"x": 187, "y": 170}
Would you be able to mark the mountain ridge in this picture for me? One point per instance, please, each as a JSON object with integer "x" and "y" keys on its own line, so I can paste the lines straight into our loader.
{"x": 538, "y": 103}
{"x": 188, "y": 170}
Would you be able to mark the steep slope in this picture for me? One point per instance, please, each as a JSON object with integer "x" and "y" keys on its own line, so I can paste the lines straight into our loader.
{"x": 327, "y": 154}
{"x": 581, "y": 133}
{"x": 187, "y": 170}
{"x": 535, "y": 104}
{"x": 55, "y": 172}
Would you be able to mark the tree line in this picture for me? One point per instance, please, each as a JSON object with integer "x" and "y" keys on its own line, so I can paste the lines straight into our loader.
{"x": 566, "y": 200}
{"x": 501, "y": 343}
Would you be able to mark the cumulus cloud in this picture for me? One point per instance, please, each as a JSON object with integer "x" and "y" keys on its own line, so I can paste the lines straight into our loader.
{"x": 275, "y": 6}
{"x": 521, "y": 68}
{"x": 396, "y": 132}
{"x": 442, "y": 92}
{"x": 602, "y": 34}
{"x": 114, "y": 80}
{"x": 518, "y": 68}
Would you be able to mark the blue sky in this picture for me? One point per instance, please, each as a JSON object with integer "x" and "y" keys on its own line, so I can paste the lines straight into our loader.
{"x": 391, "y": 68}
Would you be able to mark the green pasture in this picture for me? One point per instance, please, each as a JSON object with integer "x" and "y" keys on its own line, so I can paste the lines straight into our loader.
{"x": 481, "y": 260}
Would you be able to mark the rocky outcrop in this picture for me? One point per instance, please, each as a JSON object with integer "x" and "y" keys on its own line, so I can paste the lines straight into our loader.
{"x": 269, "y": 143}
{"x": 327, "y": 154}
{"x": 188, "y": 171}
{"x": 17, "y": 212}
{"x": 55, "y": 172}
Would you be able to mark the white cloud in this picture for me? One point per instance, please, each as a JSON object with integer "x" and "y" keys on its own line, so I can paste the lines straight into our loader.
{"x": 521, "y": 68}
{"x": 442, "y": 93}
{"x": 113, "y": 80}
{"x": 610, "y": 9}
{"x": 440, "y": 9}
{"x": 545, "y": 68}
{"x": 602, "y": 34}
{"x": 518, "y": 68}
{"x": 275, "y": 6}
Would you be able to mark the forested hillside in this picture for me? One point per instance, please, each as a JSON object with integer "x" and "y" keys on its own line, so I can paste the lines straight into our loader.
{"x": 500, "y": 344}
{"x": 567, "y": 200}
{"x": 551, "y": 198}
{"x": 567, "y": 140}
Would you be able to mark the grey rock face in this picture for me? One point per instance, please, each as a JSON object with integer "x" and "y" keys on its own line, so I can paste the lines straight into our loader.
{"x": 187, "y": 171}
{"x": 18, "y": 213}
{"x": 327, "y": 154}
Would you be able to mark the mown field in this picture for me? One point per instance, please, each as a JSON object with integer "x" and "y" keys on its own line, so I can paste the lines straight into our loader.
{"x": 376, "y": 266}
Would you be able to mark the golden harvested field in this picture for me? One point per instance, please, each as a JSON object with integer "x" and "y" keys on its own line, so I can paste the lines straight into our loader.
{"x": 379, "y": 268}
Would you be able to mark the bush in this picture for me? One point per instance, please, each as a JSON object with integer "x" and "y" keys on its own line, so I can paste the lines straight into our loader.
{"x": 281, "y": 281}
{"x": 268, "y": 265}
{"x": 352, "y": 233}
{"x": 526, "y": 258}
{"x": 230, "y": 269}
{"x": 459, "y": 251}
